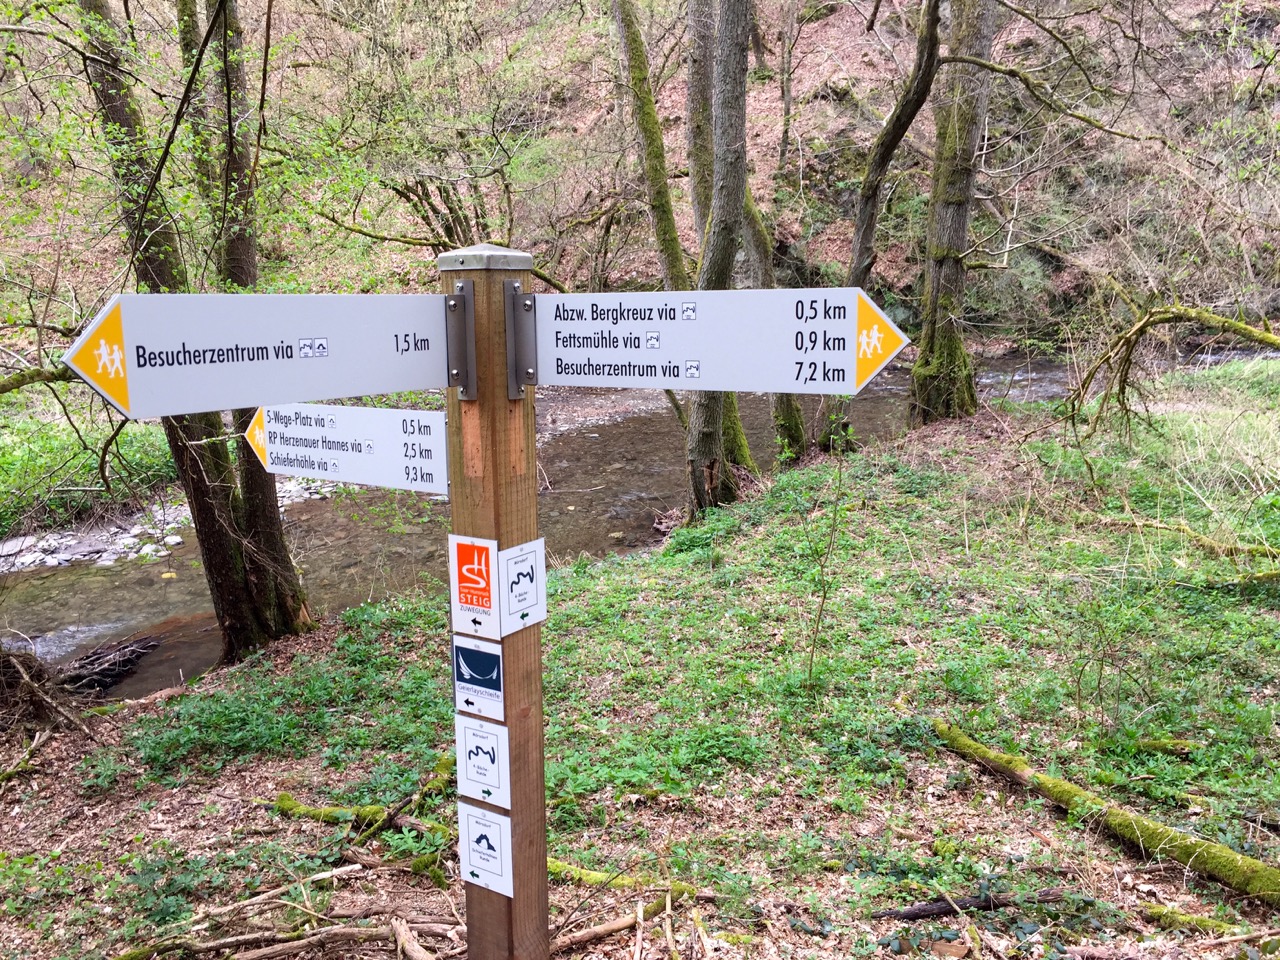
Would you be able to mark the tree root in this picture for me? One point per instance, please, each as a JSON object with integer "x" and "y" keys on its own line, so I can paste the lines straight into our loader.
{"x": 374, "y": 815}
{"x": 1118, "y": 360}
{"x": 1152, "y": 839}
{"x": 559, "y": 870}
{"x": 23, "y": 763}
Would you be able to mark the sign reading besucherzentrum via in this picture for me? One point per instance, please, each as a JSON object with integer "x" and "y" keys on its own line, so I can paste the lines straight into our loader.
{"x": 155, "y": 355}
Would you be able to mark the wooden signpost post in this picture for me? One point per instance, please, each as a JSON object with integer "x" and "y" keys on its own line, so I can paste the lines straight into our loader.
{"x": 493, "y": 490}
{"x": 491, "y": 340}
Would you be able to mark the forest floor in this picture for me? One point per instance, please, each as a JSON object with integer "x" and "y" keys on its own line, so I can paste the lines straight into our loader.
{"x": 746, "y": 711}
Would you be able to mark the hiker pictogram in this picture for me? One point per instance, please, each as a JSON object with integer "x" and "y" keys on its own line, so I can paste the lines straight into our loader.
{"x": 869, "y": 342}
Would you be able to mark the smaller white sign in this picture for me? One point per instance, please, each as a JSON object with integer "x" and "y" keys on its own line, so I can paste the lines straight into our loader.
{"x": 484, "y": 849}
{"x": 523, "y": 584}
{"x": 472, "y": 564}
{"x": 404, "y": 449}
{"x": 477, "y": 678}
{"x": 484, "y": 761}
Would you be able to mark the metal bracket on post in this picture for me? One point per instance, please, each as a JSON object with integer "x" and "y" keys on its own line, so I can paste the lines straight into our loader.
{"x": 522, "y": 346}
{"x": 460, "y": 329}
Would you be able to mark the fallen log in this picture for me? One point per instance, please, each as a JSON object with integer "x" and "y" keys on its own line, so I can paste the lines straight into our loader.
{"x": 949, "y": 906}
{"x": 1167, "y": 918}
{"x": 1150, "y": 838}
{"x": 360, "y": 817}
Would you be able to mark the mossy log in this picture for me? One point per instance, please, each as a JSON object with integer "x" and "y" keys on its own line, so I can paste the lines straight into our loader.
{"x": 1167, "y": 918}
{"x": 1151, "y": 839}
{"x": 559, "y": 870}
{"x": 360, "y": 816}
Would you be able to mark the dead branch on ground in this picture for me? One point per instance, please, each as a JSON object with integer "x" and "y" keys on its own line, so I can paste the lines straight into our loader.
{"x": 1114, "y": 368}
{"x": 950, "y": 907}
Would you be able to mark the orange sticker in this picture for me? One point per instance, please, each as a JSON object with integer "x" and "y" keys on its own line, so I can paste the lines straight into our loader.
{"x": 474, "y": 566}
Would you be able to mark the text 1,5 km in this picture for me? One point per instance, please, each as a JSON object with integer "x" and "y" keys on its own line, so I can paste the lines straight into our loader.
{"x": 411, "y": 343}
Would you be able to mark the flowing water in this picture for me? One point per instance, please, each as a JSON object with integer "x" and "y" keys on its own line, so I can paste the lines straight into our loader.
{"x": 603, "y": 486}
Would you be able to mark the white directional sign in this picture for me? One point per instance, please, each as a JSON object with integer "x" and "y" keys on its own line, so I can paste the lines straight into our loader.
{"x": 154, "y": 355}
{"x": 779, "y": 341}
{"x": 404, "y": 449}
{"x": 484, "y": 761}
{"x": 484, "y": 849}
{"x": 477, "y": 678}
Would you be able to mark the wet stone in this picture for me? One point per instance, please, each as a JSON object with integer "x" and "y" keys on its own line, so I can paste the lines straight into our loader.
{"x": 16, "y": 545}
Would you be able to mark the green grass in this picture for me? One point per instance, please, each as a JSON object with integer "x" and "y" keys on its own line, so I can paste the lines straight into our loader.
{"x": 1000, "y": 589}
{"x": 50, "y": 475}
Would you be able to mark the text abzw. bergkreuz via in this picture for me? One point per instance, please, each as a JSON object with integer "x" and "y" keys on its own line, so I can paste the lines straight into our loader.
{"x": 614, "y": 314}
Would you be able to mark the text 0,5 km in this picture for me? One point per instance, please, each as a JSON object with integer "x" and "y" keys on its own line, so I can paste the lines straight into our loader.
{"x": 413, "y": 427}
{"x": 807, "y": 310}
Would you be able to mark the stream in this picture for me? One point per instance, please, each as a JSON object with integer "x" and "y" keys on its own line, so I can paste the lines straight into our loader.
{"x": 603, "y": 485}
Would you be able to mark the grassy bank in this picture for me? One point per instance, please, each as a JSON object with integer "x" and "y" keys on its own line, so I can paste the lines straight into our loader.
{"x": 745, "y": 708}
{"x": 52, "y": 466}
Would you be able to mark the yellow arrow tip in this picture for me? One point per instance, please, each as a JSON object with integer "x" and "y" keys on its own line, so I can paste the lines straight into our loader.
{"x": 878, "y": 340}
{"x": 101, "y": 359}
{"x": 256, "y": 435}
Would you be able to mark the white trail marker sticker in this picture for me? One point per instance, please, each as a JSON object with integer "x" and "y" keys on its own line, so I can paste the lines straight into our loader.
{"x": 484, "y": 761}
{"x": 472, "y": 564}
{"x": 523, "y": 585}
{"x": 484, "y": 849}
{"x": 477, "y": 678}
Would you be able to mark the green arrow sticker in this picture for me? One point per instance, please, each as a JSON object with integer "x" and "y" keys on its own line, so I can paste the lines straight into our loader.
{"x": 474, "y": 875}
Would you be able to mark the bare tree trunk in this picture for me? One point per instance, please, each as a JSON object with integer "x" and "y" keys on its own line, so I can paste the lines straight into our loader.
{"x": 268, "y": 568}
{"x": 701, "y": 149}
{"x": 757, "y": 39}
{"x": 729, "y": 122}
{"x": 788, "y": 32}
{"x": 248, "y": 600}
{"x": 942, "y": 382}
{"x": 635, "y": 67}
{"x": 886, "y": 144}
{"x": 788, "y": 418}
{"x": 653, "y": 152}
{"x": 835, "y": 413}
